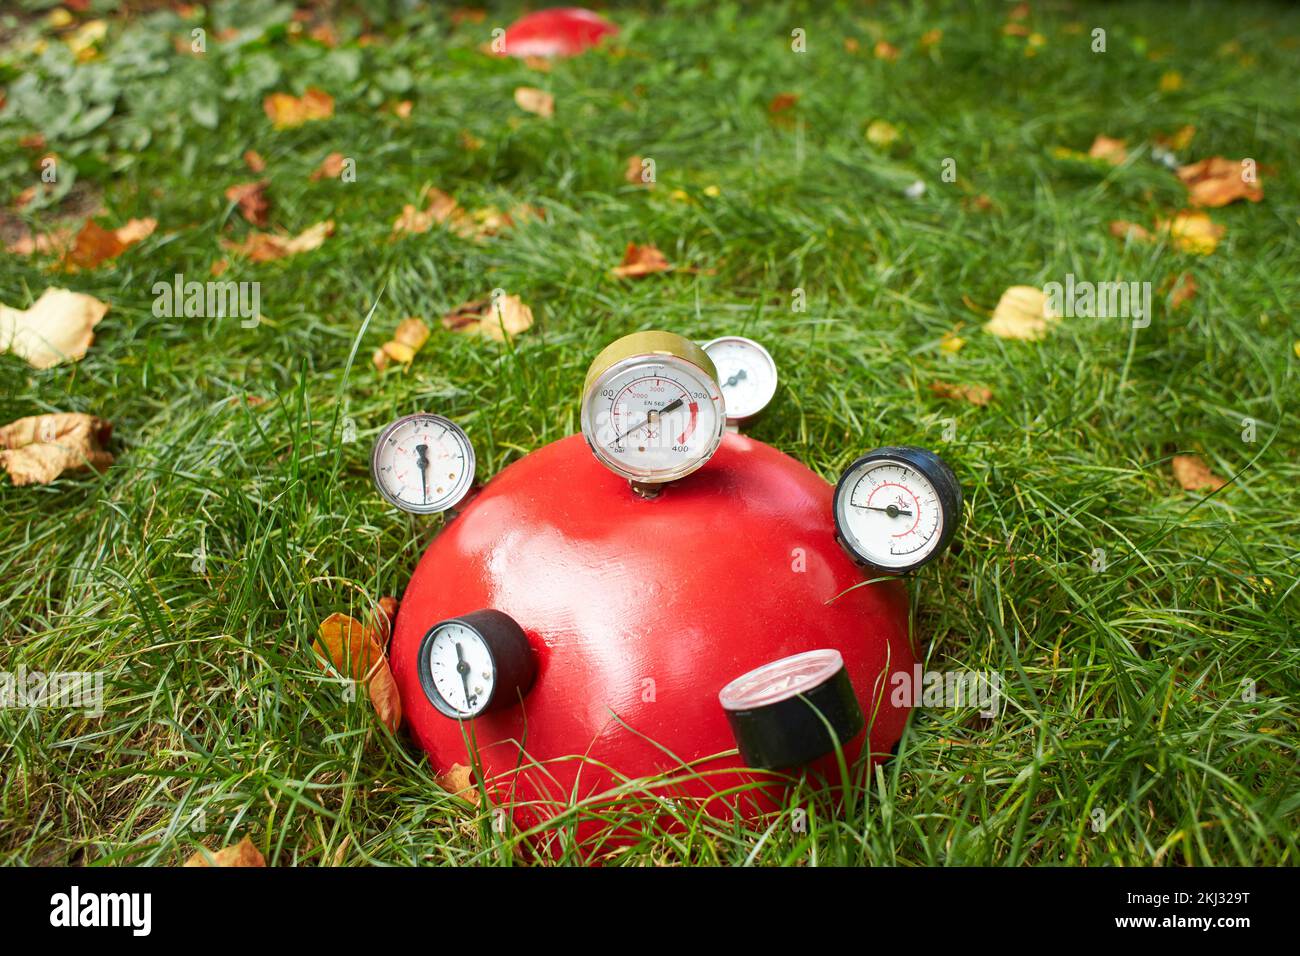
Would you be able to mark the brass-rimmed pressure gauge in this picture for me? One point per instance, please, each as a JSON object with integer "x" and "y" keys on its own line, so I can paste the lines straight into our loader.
{"x": 896, "y": 508}
{"x": 746, "y": 373}
{"x": 423, "y": 463}
{"x": 652, "y": 408}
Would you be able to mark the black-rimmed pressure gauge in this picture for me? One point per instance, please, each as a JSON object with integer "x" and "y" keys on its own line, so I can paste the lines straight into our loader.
{"x": 793, "y": 710}
{"x": 475, "y": 663}
{"x": 896, "y": 508}
{"x": 423, "y": 463}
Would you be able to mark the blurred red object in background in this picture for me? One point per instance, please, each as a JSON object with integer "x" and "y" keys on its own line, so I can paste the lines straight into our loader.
{"x": 558, "y": 31}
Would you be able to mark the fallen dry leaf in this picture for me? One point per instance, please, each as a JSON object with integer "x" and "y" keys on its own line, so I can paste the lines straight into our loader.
{"x": 975, "y": 394}
{"x": 930, "y": 38}
{"x": 641, "y": 261}
{"x": 1171, "y": 81}
{"x": 267, "y": 247}
{"x": 536, "y": 101}
{"x": 37, "y": 449}
{"x": 1111, "y": 150}
{"x": 441, "y": 209}
{"x": 1183, "y": 289}
{"x": 1123, "y": 229}
{"x": 1218, "y": 181}
{"x": 58, "y": 326}
{"x": 251, "y": 199}
{"x": 886, "y": 51}
{"x": 409, "y": 338}
{"x": 881, "y": 133}
{"x": 331, "y": 167}
{"x": 459, "y": 782}
{"x": 468, "y": 141}
{"x": 1194, "y": 475}
{"x": 509, "y": 316}
{"x": 286, "y": 110}
{"x": 1192, "y": 232}
{"x": 951, "y": 343}
{"x": 357, "y": 653}
{"x": 243, "y": 853}
{"x": 782, "y": 102}
{"x": 94, "y": 245}
{"x": 254, "y": 161}
{"x": 851, "y": 45}
{"x": 1021, "y": 313}
{"x": 636, "y": 172}
{"x": 402, "y": 109}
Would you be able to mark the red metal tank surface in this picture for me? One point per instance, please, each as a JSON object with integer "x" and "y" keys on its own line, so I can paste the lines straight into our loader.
{"x": 639, "y": 611}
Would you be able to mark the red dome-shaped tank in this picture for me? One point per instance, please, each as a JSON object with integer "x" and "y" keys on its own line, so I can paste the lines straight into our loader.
{"x": 639, "y": 611}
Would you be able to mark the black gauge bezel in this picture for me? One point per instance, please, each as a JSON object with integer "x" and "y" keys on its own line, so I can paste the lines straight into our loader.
{"x": 931, "y": 467}
{"x": 513, "y": 663}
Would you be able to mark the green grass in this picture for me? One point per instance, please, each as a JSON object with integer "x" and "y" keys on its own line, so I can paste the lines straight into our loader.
{"x": 1124, "y": 687}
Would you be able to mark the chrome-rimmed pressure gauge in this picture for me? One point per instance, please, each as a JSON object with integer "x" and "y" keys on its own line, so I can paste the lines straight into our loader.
{"x": 474, "y": 663}
{"x": 896, "y": 508}
{"x": 652, "y": 409}
{"x": 793, "y": 710}
{"x": 746, "y": 374}
{"x": 423, "y": 463}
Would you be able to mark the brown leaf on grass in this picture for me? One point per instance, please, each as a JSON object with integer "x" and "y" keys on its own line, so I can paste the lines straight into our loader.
{"x": 331, "y": 167}
{"x": 325, "y": 34}
{"x": 251, "y": 199}
{"x": 1183, "y": 289}
{"x": 977, "y": 203}
{"x": 37, "y": 449}
{"x": 382, "y": 618}
{"x": 357, "y": 652}
{"x": 636, "y": 172}
{"x": 468, "y": 141}
{"x": 851, "y": 45}
{"x": 1111, "y": 150}
{"x": 58, "y": 326}
{"x": 402, "y": 109}
{"x": 1218, "y": 181}
{"x": 886, "y": 51}
{"x": 219, "y": 267}
{"x": 267, "y": 246}
{"x": 931, "y": 38}
{"x": 53, "y": 243}
{"x": 1194, "y": 475}
{"x": 286, "y": 111}
{"x": 508, "y": 316}
{"x": 1021, "y": 313}
{"x": 536, "y": 101}
{"x": 782, "y": 102}
{"x": 243, "y": 853}
{"x": 1123, "y": 229}
{"x": 459, "y": 782}
{"x": 641, "y": 261}
{"x": 975, "y": 394}
{"x": 254, "y": 161}
{"x": 94, "y": 245}
{"x": 407, "y": 340}
{"x": 442, "y": 208}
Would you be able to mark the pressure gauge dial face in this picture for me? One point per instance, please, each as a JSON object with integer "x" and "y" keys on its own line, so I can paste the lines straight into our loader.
{"x": 475, "y": 663}
{"x": 423, "y": 463}
{"x": 896, "y": 508}
{"x": 652, "y": 410}
{"x": 746, "y": 373}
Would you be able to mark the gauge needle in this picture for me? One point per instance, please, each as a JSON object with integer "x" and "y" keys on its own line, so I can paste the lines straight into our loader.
{"x": 893, "y": 510}
{"x": 735, "y": 378}
{"x": 422, "y": 459}
{"x": 462, "y": 668}
{"x": 670, "y": 407}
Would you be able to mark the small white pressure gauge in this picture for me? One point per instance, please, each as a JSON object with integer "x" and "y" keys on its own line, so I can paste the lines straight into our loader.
{"x": 896, "y": 508}
{"x": 423, "y": 463}
{"x": 652, "y": 410}
{"x": 474, "y": 663}
{"x": 746, "y": 373}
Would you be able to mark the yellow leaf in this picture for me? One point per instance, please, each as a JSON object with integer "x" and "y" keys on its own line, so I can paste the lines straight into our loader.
{"x": 1021, "y": 313}
{"x": 533, "y": 100}
{"x": 1192, "y": 232}
{"x": 287, "y": 111}
{"x": 408, "y": 339}
{"x": 37, "y": 449}
{"x": 1171, "y": 81}
{"x": 951, "y": 343}
{"x": 243, "y": 853}
{"x": 509, "y": 317}
{"x": 57, "y": 327}
{"x": 881, "y": 133}
{"x": 267, "y": 247}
